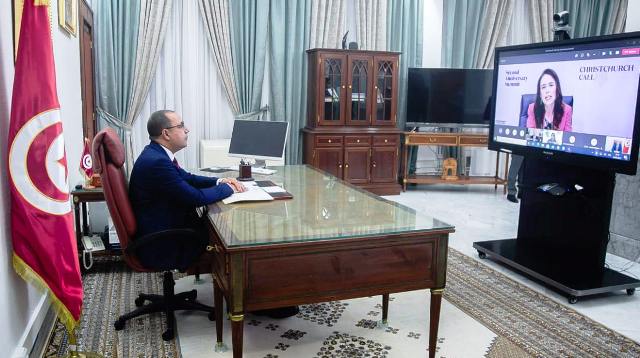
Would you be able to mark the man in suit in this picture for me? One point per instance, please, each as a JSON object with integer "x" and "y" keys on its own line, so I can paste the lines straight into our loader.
{"x": 165, "y": 196}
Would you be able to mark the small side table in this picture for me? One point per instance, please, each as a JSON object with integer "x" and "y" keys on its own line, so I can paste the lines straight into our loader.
{"x": 80, "y": 199}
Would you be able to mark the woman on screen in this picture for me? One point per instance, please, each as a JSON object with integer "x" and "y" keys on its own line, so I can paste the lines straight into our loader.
{"x": 549, "y": 111}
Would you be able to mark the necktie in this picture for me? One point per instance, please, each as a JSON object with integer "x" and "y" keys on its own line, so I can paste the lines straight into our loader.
{"x": 175, "y": 162}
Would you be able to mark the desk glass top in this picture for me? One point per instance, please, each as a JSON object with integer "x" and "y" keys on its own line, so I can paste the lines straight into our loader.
{"x": 322, "y": 208}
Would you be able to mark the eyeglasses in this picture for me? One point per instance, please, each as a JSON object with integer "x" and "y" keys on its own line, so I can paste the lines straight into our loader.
{"x": 180, "y": 126}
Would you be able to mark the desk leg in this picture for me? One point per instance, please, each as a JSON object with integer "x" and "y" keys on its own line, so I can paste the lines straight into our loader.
{"x": 85, "y": 220}
{"x": 434, "y": 319}
{"x": 237, "y": 326}
{"x": 217, "y": 309}
{"x": 76, "y": 211}
{"x": 385, "y": 308}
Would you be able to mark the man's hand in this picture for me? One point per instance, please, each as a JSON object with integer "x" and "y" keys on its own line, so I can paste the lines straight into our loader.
{"x": 235, "y": 185}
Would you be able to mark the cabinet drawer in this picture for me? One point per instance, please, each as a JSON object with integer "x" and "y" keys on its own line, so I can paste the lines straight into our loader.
{"x": 385, "y": 140}
{"x": 357, "y": 140}
{"x": 432, "y": 139}
{"x": 328, "y": 141}
{"x": 474, "y": 140}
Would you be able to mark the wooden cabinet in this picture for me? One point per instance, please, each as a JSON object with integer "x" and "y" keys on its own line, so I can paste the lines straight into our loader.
{"x": 351, "y": 125}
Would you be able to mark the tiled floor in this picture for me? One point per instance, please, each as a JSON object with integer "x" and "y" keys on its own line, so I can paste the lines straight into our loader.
{"x": 480, "y": 213}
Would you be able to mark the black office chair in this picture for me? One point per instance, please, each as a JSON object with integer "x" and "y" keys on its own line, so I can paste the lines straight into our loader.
{"x": 108, "y": 158}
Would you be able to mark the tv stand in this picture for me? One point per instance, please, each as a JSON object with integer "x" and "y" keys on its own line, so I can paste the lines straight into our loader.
{"x": 562, "y": 239}
{"x": 450, "y": 140}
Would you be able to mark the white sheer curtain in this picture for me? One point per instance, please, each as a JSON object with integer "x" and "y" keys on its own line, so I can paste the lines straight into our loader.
{"x": 186, "y": 80}
{"x": 483, "y": 161}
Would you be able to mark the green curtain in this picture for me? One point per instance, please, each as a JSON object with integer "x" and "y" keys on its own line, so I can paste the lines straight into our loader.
{"x": 249, "y": 22}
{"x": 116, "y": 42}
{"x": 593, "y": 17}
{"x": 289, "y": 29}
{"x": 461, "y": 26}
{"x": 404, "y": 34}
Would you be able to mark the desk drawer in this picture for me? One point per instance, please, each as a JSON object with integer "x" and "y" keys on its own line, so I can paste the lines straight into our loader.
{"x": 328, "y": 141}
{"x": 390, "y": 140}
{"x": 357, "y": 140}
{"x": 432, "y": 139}
{"x": 479, "y": 140}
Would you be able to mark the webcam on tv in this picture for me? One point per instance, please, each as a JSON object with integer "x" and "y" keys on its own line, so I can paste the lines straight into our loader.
{"x": 561, "y": 26}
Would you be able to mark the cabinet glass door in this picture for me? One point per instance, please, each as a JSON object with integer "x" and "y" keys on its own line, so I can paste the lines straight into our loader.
{"x": 359, "y": 90}
{"x": 333, "y": 88}
{"x": 386, "y": 81}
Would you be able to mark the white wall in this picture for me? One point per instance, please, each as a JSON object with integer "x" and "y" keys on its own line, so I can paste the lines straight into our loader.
{"x": 633, "y": 16}
{"x": 20, "y": 304}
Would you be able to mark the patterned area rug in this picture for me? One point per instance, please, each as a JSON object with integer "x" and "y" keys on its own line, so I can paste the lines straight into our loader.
{"x": 110, "y": 288}
{"x": 507, "y": 319}
{"x": 533, "y": 322}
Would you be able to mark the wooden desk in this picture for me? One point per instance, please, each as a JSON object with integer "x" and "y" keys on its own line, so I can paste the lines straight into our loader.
{"x": 450, "y": 140}
{"x": 332, "y": 241}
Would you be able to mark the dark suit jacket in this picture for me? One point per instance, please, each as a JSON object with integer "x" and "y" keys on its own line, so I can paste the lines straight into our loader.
{"x": 164, "y": 196}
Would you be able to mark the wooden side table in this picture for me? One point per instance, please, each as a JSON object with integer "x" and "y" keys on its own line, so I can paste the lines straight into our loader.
{"x": 80, "y": 199}
{"x": 450, "y": 140}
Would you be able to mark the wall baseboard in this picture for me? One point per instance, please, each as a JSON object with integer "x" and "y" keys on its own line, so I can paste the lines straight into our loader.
{"x": 36, "y": 324}
{"x": 623, "y": 246}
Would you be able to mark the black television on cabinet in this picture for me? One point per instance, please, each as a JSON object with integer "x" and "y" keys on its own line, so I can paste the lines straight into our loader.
{"x": 595, "y": 100}
{"x": 448, "y": 97}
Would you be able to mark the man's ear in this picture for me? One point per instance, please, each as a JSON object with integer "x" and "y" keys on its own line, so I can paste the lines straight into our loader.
{"x": 165, "y": 134}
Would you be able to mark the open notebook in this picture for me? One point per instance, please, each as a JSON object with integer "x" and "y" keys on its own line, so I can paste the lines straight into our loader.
{"x": 262, "y": 190}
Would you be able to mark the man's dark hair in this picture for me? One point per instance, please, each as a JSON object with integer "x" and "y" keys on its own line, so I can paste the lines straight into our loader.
{"x": 157, "y": 122}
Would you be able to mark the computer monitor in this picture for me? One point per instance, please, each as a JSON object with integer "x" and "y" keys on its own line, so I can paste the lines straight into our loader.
{"x": 259, "y": 140}
{"x": 573, "y": 101}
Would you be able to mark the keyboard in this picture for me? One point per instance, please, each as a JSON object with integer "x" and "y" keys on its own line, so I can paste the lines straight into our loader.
{"x": 256, "y": 170}
{"x": 263, "y": 171}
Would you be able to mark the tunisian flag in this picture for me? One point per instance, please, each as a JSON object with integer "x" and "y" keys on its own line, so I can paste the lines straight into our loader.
{"x": 44, "y": 248}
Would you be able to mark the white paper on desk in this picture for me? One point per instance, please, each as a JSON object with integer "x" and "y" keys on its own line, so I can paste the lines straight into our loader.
{"x": 273, "y": 189}
{"x": 250, "y": 195}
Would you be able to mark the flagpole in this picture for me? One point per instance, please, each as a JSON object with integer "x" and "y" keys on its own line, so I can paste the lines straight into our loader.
{"x": 73, "y": 346}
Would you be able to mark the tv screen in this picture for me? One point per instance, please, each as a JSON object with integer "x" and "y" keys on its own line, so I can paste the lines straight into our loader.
{"x": 574, "y": 101}
{"x": 448, "y": 96}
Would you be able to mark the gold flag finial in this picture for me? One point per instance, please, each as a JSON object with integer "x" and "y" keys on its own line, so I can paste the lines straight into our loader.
{"x": 41, "y": 2}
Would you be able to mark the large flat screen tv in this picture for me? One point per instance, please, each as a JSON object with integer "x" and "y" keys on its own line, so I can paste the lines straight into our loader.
{"x": 449, "y": 97}
{"x": 573, "y": 101}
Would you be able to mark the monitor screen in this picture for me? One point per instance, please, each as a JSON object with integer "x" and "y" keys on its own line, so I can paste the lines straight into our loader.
{"x": 258, "y": 139}
{"x": 448, "y": 96}
{"x": 574, "y": 101}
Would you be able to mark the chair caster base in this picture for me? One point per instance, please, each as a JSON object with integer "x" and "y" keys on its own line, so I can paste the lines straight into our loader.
{"x": 168, "y": 335}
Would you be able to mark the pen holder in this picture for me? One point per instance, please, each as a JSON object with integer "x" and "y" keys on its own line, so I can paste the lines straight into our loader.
{"x": 245, "y": 172}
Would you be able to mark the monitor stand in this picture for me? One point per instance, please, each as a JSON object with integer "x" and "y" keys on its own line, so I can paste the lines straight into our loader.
{"x": 563, "y": 232}
{"x": 260, "y": 163}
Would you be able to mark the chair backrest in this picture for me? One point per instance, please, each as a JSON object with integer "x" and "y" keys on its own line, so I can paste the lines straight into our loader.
{"x": 528, "y": 98}
{"x": 108, "y": 160}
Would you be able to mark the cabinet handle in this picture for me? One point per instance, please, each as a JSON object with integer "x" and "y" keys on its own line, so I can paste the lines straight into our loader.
{"x": 339, "y": 165}
{"x": 358, "y": 141}
{"x": 346, "y": 165}
{"x": 349, "y": 86}
{"x": 386, "y": 140}
{"x": 432, "y": 140}
{"x": 342, "y": 86}
{"x": 329, "y": 141}
{"x": 374, "y": 164}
